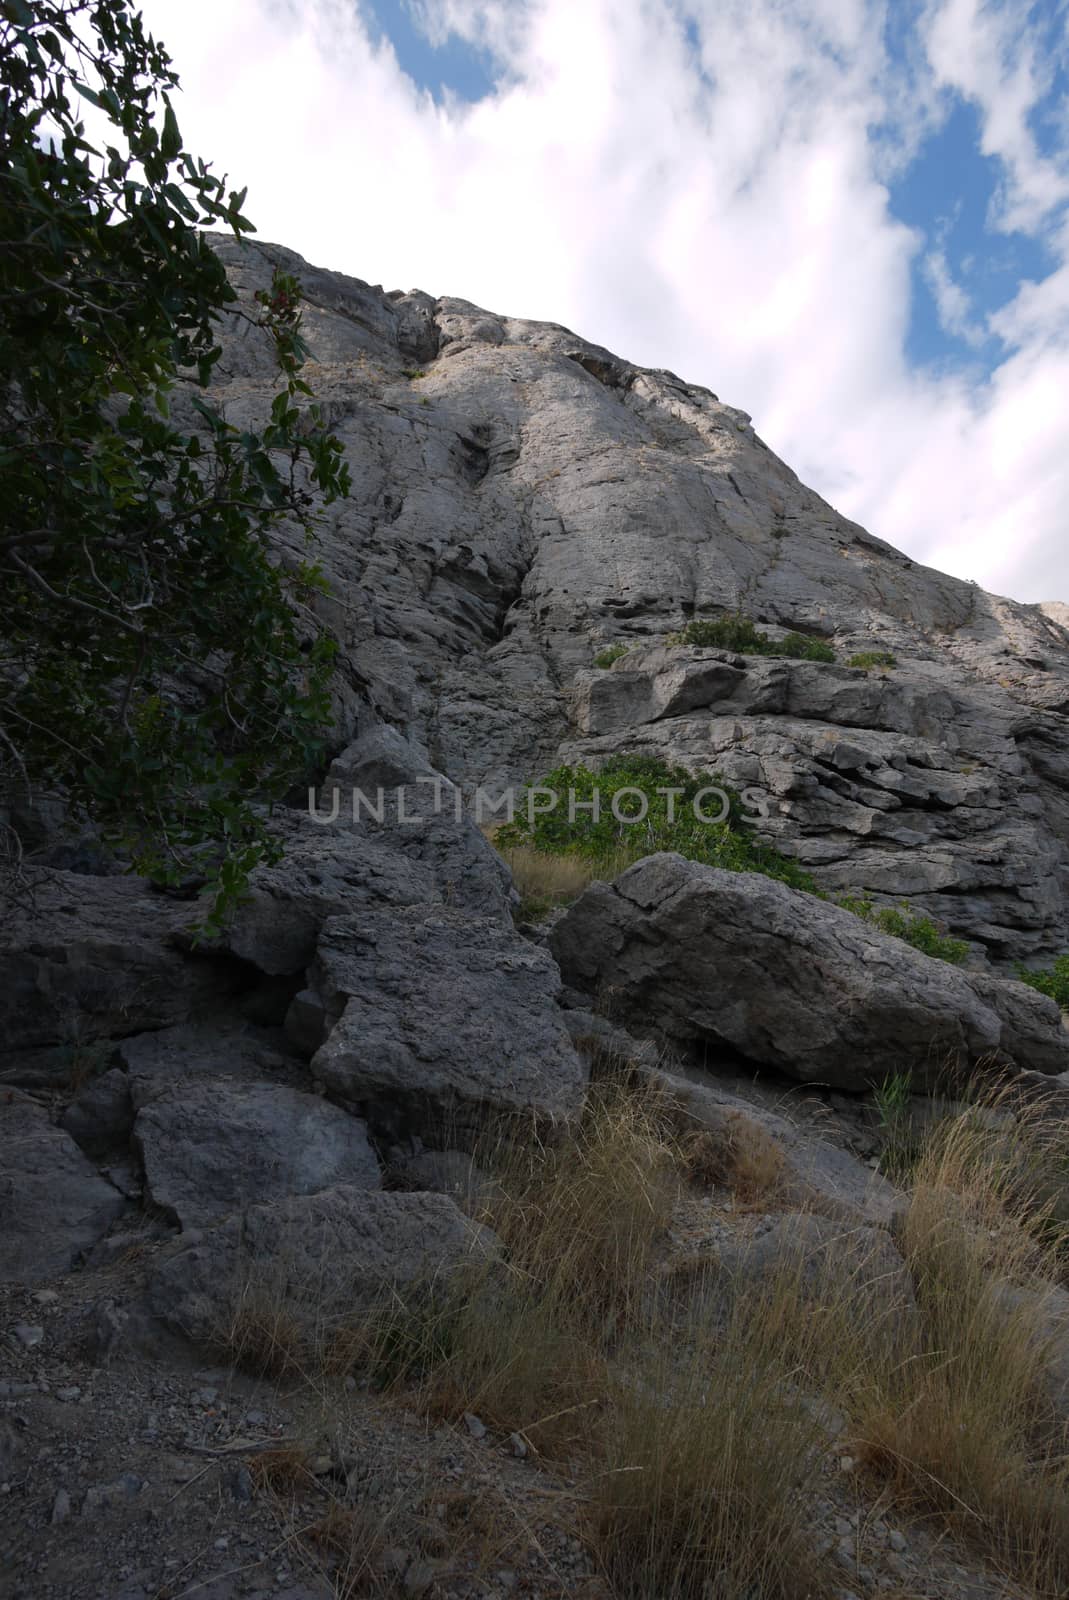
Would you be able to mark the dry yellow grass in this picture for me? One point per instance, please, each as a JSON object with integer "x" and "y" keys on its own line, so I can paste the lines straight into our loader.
{"x": 740, "y": 1156}
{"x": 690, "y": 1412}
{"x": 970, "y": 1428}
{"x": 545, "y": 881}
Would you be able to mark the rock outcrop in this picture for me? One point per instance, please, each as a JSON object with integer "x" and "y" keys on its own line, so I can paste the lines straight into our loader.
{"x": 524, "y": 499}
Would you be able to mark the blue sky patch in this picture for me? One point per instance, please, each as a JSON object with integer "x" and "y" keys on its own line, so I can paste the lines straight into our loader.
{"x": 947, "y": 194}
{"x": 456, "y": 66}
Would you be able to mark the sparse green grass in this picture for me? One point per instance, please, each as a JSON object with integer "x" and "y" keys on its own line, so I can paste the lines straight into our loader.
{"x": 740, "y": 634}
{"x": 900, "y": 1146}
{"x": 412, "y": 373}
{"x": 872, "y": 658}
{"x": 614, "y": 652}
{"x": 917, "y": 930}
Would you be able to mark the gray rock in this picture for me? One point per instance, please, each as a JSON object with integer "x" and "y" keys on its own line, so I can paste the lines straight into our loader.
{"x": 219, "y": 1044}
{"x": 53, "y": 1206}
{"x": 92, "y": 958}
{"x": 338, "y": 868}
{"x": 791, "y": 981}
{"x": 211, "y": 1147}
{"x": 319, "y": 1260}
{"x": 551, "y": 498}
{"x": 441, "y": 1017}
{"x": 101, "y": 1113}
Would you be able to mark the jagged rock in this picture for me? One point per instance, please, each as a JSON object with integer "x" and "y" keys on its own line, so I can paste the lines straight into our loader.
{"x": 317, "y": 1261}
{"x": 791, "y": 981}
{"x": 53, "y": 1205}
{"x": 211, "y": 1147}
{"x": 217, "y": 1045}
{"x": 101, "y": 1113}
{"x": 76, "y": 965}
{"x": 341, "y": 867}
{"x": 442, "y": 1016}
{"x": 882, "y": 783}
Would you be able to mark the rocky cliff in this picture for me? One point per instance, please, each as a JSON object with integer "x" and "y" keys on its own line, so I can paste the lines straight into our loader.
{"x": 525, "y": 499}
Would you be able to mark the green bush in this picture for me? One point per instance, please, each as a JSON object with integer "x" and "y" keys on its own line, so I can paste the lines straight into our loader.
{"x": 669, "y": 823}
{"x": 739, "y": 633}
{"x": 1052, "y": 981}
{"x": 902, "y": 923}
{"x": 801, "y": 647}
{"x": 872, "y": 658}
{"x": 723, "y": 633}
{"x": 605, "y": 658}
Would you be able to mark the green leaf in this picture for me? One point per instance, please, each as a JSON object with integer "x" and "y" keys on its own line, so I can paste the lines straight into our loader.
{"x": 171, "y": 139}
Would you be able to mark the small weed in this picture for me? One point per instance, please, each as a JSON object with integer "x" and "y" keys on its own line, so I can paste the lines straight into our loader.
{"x": 740, "y": 1156}
{"x": 283, "y": 1470}
{"x": 615, "y": 652}
{"x": 872, "y": 658}
{"x": 263, "y": 1333}
{"x": 901, "y": 1147}
{"x": 412, "y": 373}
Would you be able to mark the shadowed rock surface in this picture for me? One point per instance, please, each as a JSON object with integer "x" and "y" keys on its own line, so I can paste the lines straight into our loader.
{"x": 739, "y": 960}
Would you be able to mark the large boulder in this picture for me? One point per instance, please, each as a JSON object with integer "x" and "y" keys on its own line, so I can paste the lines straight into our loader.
{"x": 86, "y": 958}
{"x": 211, "y": 1147}
{"x": 787, "y": 980}
{"x": 313, "y": 1264}
{"x": 441, "y": 1017}
{"x": 53, "y": 1204}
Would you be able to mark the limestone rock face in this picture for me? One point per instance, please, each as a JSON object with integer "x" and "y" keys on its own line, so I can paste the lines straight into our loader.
{"x": 784, "y": 979}
{"x": 524, "y": 498}
{"x": 94, "y": 957}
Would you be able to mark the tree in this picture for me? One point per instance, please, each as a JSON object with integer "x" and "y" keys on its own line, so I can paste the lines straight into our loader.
{"x": 159, "y": 668}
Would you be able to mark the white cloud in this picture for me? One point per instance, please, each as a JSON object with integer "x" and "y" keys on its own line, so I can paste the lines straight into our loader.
{"x": 951, "y": 301}
{"x": 723, "y": 215}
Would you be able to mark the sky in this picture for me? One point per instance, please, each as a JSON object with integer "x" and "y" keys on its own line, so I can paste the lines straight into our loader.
{"x": 848, "y": 217}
